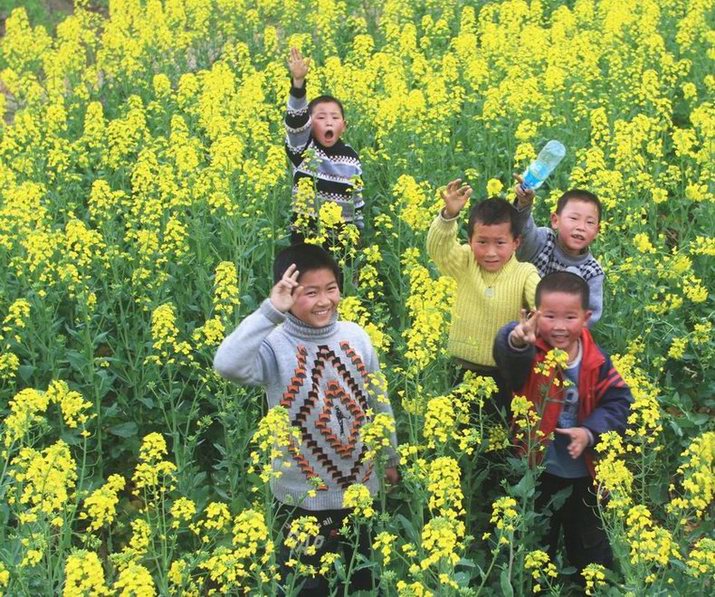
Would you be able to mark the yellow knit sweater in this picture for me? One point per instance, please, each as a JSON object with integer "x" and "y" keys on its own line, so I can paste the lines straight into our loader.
{"x": 478, "y": 313}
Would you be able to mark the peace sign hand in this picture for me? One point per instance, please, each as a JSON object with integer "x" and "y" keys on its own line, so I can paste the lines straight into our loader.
{"x": 455, "y": 195}
{"x": 298, "y": 67}
{"x": 524, "y": 333}
{"x": 287, "y": 290}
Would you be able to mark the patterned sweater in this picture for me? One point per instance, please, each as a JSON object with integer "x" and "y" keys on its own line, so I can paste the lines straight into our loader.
{"x": 485, "y": 300}
{"x": 540, "y": 246}
{"x": 334, "y": 168}
{"x": 320, "y": 375}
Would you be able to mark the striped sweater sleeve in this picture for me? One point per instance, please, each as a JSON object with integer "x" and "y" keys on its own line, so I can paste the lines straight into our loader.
{"x": 297, "y": 125}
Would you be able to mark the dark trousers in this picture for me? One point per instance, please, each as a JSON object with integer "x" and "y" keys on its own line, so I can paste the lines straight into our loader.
{"x": 329, "y": 540}
{"x": 584, "y": 538}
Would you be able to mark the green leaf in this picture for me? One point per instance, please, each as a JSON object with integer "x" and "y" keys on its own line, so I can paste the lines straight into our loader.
{"x": 124, "y": 430}
{"x": 505, "y": 583}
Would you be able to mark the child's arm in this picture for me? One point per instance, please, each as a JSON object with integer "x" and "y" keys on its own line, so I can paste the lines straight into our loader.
{"x": 442, "y": 245}
{"x": 533, "y": 238}
{"x": 514, "y": 349}
{"x": 297, "y": 117}
{"x": 614, "y": 400}
{"x": 243, "y": 355}
{"x": 595, "y": 293}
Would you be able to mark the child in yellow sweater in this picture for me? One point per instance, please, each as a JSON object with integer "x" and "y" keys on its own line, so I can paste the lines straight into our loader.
{"x": 492, "y": 286}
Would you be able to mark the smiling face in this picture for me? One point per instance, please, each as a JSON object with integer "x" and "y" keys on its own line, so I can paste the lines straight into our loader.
{"x": 561, "y": 320}
{"x": 320, "y": 298}
{"x": 328, "y": 123}
{"x": 577, "y": 225}
{"x": 493, "y": 245}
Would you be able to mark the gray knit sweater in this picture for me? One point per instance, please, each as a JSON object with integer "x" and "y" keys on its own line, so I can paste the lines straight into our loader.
{"x": 320, "y": 375}
{"x": 540, "y": 246}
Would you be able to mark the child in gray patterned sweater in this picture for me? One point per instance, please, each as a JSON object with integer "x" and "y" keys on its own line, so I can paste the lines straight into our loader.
{"x": 321, "y": 371}
{"x": 565, "y": 246}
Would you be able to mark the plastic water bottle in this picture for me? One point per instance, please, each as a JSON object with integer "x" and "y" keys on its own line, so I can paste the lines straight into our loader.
{"x": 544, "y": 164}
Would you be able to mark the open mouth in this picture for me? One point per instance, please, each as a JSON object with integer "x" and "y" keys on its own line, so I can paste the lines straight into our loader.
{"x": 329, "y": 135}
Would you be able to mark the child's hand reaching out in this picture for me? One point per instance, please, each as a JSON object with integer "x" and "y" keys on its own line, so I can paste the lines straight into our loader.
{"x": 298, "y": 67}
{"x": 579, "y": 440}
{"x": 455, "y": 196}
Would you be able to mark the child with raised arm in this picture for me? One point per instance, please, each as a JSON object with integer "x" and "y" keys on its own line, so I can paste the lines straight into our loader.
{"x": 564, "y": 246}
{"x": 589, "y": 399}
{"x": 321, "y": 371}
{"x": 316, "y": 151}
{"x": 492, "y": 286}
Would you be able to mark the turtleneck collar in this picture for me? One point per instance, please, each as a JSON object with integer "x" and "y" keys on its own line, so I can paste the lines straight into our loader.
{"x": 296, "y": 327}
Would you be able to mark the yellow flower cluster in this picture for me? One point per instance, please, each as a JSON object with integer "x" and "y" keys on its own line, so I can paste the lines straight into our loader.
{"x": 357, "y": 498}
{"x": 46, "y": 479}
{"x": 443, "y": 484}
{"x": 153, "y": 476}
{"x": 429, "y": 305}
{"x": 383, "y": 544}
{"x": 701, "y": 560}
{"x": 84, "y": 575}
{"x": 351, "y": 308}
{"x": 303, "y": 530}
{"x": 232, "y": 569}
{"x": 648, "y": 542}
{"x": 100, "y": 506}
{"x": 441, "y": 541}
{"x": 542, "y": 569}
{"x": 376, "y": 435}
{"x": 504, "y": 516}
{"x": 165, "y": 337}
{"x": 595, "y": 577}
{"x": 612, "y": 474}
{"x": 416, "y": 206}
{"x": 698, "y": 478}
{"x": 275, "y": 435}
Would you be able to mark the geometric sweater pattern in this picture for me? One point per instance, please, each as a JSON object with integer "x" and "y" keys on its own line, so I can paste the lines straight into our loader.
{"x": 322, "y": 377}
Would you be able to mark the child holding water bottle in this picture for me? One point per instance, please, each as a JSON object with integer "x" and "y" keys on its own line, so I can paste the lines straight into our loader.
{"x": 574, "y": 226}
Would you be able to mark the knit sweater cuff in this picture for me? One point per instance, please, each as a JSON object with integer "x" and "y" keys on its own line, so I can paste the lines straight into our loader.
{"x": 444, "y": 218}
{"x": 271, "y": 313}
{"x": 297, "y": 91}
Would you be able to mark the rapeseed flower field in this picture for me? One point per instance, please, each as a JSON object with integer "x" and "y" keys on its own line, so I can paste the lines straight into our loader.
{"x": 144, "y": 191}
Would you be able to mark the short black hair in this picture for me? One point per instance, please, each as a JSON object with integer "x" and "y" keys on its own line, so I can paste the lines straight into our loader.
{"x": 307, "y": 258}
{"x": 326, "y": 99}
{"x": 579, "y": 195}
{"x": 566, "y": 282}
{"x": 493, "y": 211}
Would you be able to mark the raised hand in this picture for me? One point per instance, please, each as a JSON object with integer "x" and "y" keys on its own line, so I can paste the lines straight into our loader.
{"x": 298, "y": 67}
{"x": 287, "y": 290}
{"x": 525, "y": 332}
{"x": 524, "y": 197}
{"x": 455, "y": 196}
{"x": 579, "y": 440}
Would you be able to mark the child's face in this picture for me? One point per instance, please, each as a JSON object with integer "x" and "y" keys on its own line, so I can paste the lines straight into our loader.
{"x": 561, "y": 320}
{"x": 493, "y": 245}
{"x": 328, "y": 123}
{"x": 577, "y": 225}
{"x": 320, "y": 298}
